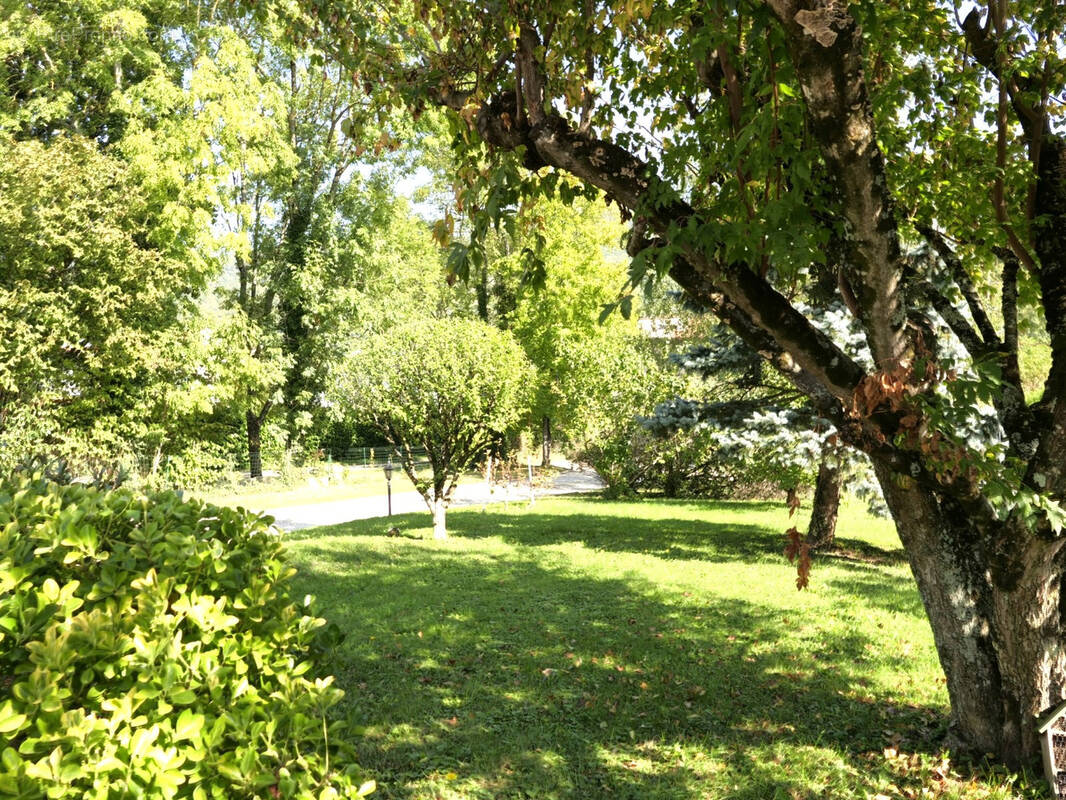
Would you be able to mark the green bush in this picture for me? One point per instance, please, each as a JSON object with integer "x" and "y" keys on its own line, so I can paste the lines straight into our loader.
{"x": 195, "y": 466}
{"x": 149, "y": 648}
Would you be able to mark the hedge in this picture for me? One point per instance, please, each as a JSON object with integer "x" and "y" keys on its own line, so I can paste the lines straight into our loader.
{"x": 149, "y": 647}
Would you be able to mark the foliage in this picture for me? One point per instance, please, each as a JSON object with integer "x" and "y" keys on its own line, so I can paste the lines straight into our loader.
{"x": 321, "y": 246}
{"x": 165, "y": 104}
{"x": 647, "y": 649}
{"x": 90, "y": 335}
{"x": 705, "y": 461}
{"x": 237, "y": 153}
{"x": 608, "y": 380}
{"x": 451, "y": 386}
{"x": 66, "y": 63}
{"x": 757, "y": 430}
{"x": 199, "y": 464}
{"x": 149, "y": 647}
{"x": 560, "y": 276}
{"x": 291, "y": 290}
{"x": 394, "y": 264}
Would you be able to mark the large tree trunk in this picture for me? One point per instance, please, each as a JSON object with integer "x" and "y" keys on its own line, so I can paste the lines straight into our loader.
{"x": 822, "y": 530}
{"x": 254, "y": 426}
{"x": 1000, "y": 638}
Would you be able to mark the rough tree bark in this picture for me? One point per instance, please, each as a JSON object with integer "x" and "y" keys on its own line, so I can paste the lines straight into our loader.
{"x": 821, "y": 532}
{"x": 1000, "y": 643}
{"x": 254, "y": 426}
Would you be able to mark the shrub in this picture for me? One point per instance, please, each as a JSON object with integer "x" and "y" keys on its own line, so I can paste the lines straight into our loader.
{"x": 199, "y": 464}
{"x": 149, "y": 648}
{"x": 609, "y": 380}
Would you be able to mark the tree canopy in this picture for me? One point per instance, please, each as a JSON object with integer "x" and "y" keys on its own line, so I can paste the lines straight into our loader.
{"x": 88, "y": 330}
{"x": 207, "y": 212}
{"x": 905, "y": 161}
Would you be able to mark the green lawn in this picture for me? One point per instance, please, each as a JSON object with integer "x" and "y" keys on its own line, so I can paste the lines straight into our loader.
{"x": 347, "y": 484}
{"x": 657, "y": 649}
{"x": 277, "y": 493}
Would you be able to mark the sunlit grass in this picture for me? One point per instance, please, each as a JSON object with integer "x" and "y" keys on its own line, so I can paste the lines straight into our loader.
{"x": 347, "y": 483}
{"x": 657, "y": 649}
{"x": 276, "y": 492}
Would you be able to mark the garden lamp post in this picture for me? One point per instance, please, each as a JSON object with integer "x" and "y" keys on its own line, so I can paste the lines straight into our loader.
{"x": 388, "y": 482}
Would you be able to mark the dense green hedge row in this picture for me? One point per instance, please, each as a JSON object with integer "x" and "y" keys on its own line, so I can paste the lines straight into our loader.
{"x": 149, "y": 648}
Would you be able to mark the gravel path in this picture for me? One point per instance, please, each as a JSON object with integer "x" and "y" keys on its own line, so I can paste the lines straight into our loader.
{"x": 294, "y": 518}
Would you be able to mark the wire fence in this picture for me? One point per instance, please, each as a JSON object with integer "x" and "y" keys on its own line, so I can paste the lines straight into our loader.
{"x": 375, "y": 456}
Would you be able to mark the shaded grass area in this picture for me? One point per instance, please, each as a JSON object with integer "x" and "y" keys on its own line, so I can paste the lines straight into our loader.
{"x": 589, "y": 649}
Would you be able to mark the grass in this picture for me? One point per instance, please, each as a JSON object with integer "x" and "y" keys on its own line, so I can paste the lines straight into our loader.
{"x": 278, "y": 493}
{"x": 1034, "y": 358}
{"x": 658, "y": 649}
{"x": 347, "y": 483}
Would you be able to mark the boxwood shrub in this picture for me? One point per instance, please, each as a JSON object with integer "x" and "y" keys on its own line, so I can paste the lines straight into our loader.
{"x": 149, "y": 648}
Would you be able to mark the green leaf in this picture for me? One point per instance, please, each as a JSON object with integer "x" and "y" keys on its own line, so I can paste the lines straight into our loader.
{"x": 188, "y": 725}
{"x": 10, "y": 719}
{"x": 183, "y": 697}
{"x": 230, "y": 771}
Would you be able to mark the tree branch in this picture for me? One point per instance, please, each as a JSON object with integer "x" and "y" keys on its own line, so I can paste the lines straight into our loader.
{"x": 631, "y": 183}
{"x": 962, "y": 280}
{"x": 873, "y": 435}
{"x": 827, "y": 53}
{"x": 959, "y": 325}
{"x": 1009, "y": 309}
{"x": 986, "y": 51}
{"x": 531, "y": 72}
{"x": 985, "y": 48}
{"x": 1047, "y": 153}
{"x": 707, "y": 296}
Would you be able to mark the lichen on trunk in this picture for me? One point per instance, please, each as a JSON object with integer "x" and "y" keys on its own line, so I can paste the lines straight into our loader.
{"x": 1001, "y": 648}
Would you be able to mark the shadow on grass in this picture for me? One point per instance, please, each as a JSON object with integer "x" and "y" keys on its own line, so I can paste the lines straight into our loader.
{"x": 683, "y": 536}
{"x": 528, "y": 681}
{"x": 664, "y": 538}
{"x": 888, "y": 592}
{"x": 671, "y": 537}
{"x": 858, "y": 551}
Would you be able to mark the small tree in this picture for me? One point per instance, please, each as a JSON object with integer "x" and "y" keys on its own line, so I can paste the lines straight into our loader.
{"x": 450, "y": 386}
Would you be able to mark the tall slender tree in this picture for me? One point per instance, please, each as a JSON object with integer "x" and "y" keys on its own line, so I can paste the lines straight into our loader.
{"x": 297, "y": 280}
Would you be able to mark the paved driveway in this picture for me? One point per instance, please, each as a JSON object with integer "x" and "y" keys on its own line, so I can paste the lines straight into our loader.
{"x": 294, "y": 518}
